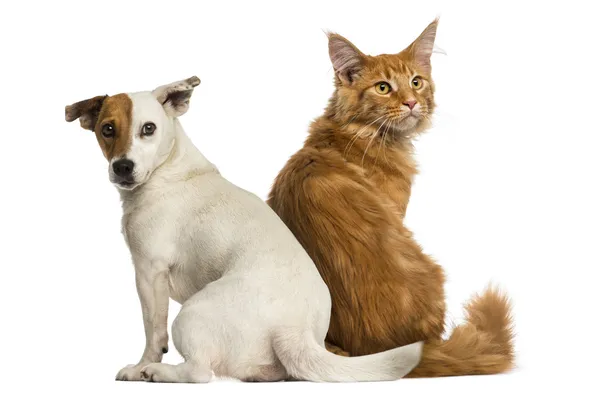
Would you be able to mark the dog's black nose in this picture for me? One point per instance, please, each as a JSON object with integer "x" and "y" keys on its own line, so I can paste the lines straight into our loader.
{"x": 123, "y": 168}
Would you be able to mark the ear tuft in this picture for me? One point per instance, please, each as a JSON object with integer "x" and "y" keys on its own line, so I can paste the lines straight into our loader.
{"x": 175, "y": 97}
{"x": 347, "y": 60}
{"x": 422, "y": 48}
{"x": 86, "y": 111}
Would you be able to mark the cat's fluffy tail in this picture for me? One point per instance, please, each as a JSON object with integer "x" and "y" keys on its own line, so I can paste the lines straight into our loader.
{"x": 482, "y": 345}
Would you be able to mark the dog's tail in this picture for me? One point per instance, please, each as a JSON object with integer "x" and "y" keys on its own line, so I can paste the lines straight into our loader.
{"x": 305, "y": 359}
{"x": 482, "y": 345}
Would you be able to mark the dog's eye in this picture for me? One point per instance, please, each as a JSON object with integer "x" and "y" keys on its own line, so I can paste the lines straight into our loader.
{"x": 108, "y": 131}
{"x": 148, "y": 129}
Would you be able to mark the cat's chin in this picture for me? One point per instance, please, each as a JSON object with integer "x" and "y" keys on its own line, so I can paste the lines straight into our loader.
{"x": 408, "y": 128}
{"x": 410, "y": 122}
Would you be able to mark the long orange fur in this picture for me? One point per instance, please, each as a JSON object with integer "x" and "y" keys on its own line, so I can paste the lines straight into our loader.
{"x": 344, "y": 195}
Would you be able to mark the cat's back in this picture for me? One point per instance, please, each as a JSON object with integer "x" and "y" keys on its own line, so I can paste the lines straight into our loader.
{"x": 319, "y": 160}
{"x": 329, "y": 204}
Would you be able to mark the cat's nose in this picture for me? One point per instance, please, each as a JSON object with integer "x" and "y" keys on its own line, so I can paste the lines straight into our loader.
{"x": 410, "y": 103}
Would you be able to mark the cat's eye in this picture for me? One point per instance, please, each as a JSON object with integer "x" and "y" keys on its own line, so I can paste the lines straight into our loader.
{"x": 383, "y": 88}
{"x": 148, "y": 129}
{"x": 417, "y": 82}
{"x": 108, "y": 131}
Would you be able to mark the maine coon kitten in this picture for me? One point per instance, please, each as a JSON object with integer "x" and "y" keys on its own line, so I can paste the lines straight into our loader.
{"x": 344, "y": 195}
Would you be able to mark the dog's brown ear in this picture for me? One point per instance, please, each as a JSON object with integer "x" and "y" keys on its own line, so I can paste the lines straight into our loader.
{"x": 86, "y": 111}
{"x": 175, "y": 97}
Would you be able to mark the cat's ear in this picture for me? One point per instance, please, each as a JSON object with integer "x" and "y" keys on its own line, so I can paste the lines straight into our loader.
{"x": 422, "y": 47}
{"x": 175, "y": 97}
{"x": 347, "y": 60}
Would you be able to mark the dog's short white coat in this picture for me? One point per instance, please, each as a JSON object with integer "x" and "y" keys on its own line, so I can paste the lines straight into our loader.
{"x": 254, "y": 306}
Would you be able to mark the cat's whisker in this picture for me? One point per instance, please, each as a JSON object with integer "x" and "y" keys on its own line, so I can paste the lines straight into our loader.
{"x": 349, "y": 145}
{"x": 355, "y": 137}
{"x": 380, "y": 142}
{"x": 350, "y": 121}
{"x": 362, "y": 164}
{"x": 384, "y": 141}
{"x": 370, "y": 124}
{"x": 358, "y": 134}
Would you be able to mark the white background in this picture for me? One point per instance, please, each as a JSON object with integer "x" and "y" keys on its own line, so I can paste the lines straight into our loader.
{"x": 508, "y": 190}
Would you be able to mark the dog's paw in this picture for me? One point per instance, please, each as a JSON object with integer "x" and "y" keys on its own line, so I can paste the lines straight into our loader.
{"x": 152, "y": 372}
{"x": 130, "y": 373}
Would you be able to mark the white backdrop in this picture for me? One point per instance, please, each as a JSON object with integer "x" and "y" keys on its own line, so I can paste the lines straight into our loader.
{"x": 508, "y": 190}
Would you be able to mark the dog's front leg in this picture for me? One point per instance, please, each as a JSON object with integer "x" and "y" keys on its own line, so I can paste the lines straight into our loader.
{"x": 152, "y": 281}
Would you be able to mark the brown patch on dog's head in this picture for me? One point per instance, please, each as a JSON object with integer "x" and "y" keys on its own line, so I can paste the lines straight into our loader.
{"x": 99, "y": 112}
{"x": 116, "y": 112}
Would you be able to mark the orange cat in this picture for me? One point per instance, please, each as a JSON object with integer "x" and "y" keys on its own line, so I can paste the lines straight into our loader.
{"x": 344, "y": 195}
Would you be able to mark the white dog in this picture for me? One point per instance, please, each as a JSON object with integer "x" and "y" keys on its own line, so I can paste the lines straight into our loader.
{"x": 254, "y": 305}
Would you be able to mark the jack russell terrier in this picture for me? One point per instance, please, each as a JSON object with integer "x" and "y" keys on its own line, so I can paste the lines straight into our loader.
{"x": 254, "y": 306}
